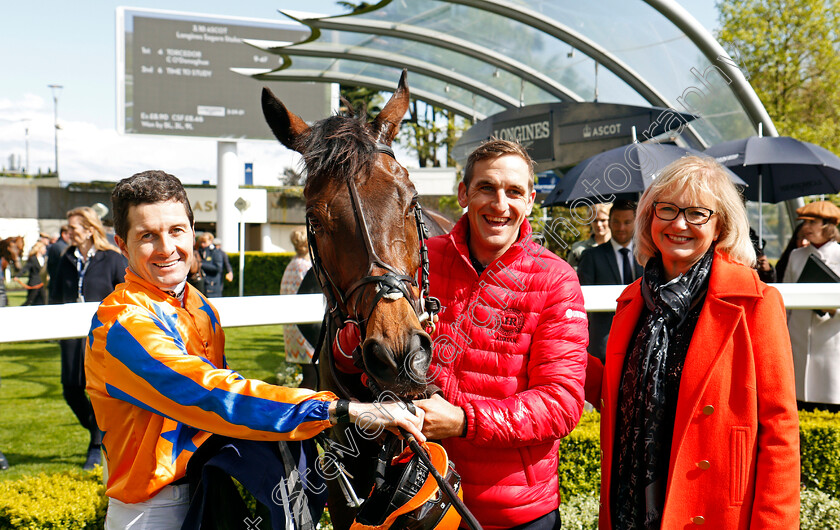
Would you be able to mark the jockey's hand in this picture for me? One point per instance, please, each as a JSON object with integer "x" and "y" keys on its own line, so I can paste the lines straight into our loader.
{"x": 371, "y": 417}
{"x": 442, "y": 419}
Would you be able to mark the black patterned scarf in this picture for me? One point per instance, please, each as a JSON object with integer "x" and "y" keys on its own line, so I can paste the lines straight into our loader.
{"x": 648, "y": 392}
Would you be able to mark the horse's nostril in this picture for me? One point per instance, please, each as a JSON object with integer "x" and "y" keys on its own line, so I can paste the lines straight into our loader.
{"x": 379, "y": 360}
{"x": 419, "y": 356}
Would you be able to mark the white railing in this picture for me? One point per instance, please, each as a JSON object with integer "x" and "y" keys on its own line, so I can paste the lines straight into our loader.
{"x": 73, "y": 320}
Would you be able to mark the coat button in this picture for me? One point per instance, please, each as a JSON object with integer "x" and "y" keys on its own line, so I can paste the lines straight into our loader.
{"x": 704, "y": 464}
{"x": 698, "y": 520}
{"x": 708, "y": 410}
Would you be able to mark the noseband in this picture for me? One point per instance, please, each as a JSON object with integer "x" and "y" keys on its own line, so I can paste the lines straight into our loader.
{"x": 393, "y": 284}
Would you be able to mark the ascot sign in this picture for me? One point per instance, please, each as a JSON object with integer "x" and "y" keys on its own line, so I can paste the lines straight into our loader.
{"x": 610, "y": 129}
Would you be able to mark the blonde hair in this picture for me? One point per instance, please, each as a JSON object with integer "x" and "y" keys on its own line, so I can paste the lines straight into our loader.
{"x": 298, "y": 239}
{"x": 91, "y": 221}
{"x": 603, "y": 208}
{"x": 702, "y": 178}
{"x": 36, "y": 247}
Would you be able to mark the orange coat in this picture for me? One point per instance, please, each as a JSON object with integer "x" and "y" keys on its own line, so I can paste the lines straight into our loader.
{"x": 735, "y": 455}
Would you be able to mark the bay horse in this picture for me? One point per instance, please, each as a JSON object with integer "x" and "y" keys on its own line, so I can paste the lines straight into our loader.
{"x": 366, "y": 233}
{"x": 11, "y": 249}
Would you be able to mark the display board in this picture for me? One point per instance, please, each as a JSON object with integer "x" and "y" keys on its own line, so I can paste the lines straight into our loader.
{"x": 174, "y": 78}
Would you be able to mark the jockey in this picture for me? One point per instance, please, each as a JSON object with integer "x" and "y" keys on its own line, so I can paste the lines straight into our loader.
{"x": 157, "y": 375}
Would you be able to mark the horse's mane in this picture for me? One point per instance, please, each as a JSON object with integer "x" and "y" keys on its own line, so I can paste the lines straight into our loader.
{"x": 340, "y": 147}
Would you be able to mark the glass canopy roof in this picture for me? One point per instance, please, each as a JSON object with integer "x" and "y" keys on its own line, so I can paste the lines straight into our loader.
{"x": 491, "y": 55}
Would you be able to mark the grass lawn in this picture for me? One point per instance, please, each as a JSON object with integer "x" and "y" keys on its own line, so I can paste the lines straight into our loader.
{"x": 39, "y": 433}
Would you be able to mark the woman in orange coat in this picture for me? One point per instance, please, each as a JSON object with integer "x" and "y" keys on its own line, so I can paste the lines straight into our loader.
{"x": 698, "y": 409}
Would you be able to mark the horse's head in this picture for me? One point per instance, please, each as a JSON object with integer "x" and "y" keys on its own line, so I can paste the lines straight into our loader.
{"x": 363, "y": 236}
{"x": 11, "y": 249}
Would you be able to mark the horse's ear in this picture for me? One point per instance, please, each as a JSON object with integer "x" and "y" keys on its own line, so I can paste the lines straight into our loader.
{"x": 286, "y": 126}
{"x": 387, "y": 123}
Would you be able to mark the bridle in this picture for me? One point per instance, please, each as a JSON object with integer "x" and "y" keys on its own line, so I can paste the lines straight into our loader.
{"x": 392, "y": 285}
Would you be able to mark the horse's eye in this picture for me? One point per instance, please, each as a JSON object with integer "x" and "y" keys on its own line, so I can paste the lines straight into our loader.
{"x": 411, "y": 206}
{"x": 313, "y": 222}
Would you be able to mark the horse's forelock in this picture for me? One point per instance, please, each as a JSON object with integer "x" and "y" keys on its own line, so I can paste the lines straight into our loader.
{"x": 338, "y": 147}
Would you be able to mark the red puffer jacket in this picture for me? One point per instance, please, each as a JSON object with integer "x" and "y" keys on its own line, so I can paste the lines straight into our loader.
{"x": 510, "y": 349}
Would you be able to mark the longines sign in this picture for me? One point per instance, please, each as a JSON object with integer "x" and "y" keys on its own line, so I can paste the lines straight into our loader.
{"x": 533, "y": 132}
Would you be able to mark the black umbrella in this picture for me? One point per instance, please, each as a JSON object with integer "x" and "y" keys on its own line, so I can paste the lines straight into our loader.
{"x": 619, "y": 173}
{"x": 778, "y": 168}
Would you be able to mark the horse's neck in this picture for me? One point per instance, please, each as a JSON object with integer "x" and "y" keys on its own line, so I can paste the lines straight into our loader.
{"x": 437, "y": 223}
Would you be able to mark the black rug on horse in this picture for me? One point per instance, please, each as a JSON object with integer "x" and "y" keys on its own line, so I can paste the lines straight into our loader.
{"x": 215, "y": 500}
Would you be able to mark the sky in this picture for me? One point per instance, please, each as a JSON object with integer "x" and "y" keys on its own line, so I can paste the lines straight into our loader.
{"x": 72, "y": 44}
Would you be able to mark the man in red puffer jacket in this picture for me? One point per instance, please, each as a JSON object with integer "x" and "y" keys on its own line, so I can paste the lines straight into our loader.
{"x": 509, "y": 349}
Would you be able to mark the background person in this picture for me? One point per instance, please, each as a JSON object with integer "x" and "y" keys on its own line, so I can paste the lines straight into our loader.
{"x": 599, "y": 233}
{"x": 698, "y": 415}
{"x": 610, "y": 263}
{"x": 299, "y": 350}
{"x": 212, "y": 265}
{"x": 196, "y": 276}
{"x": 763, "y": 267}
{"x": 88, "y": 271}
{"x": 225, "y": 260}
{"x": 157, "y": 373}
{"x": 54, "y": 252}
{"x": 797, "y": 240}
{"x": 35, "y": 271}
{"x": 815, "y": 334}
{"x": 509, "y": 349}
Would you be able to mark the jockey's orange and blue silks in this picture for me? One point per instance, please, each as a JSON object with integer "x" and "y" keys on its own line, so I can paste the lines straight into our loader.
{"x": 159, "y": 384}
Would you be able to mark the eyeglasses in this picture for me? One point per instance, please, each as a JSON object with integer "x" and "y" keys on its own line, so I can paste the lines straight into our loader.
{"x": 695, "y": 215}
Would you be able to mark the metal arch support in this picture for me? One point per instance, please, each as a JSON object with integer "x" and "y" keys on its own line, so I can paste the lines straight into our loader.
{"x": 716, "y": 55}
{"x": 583, "y": 44}
{"x": 319, "y": 76}
{"x": 367, "y": 55}
{"x": 447, "y": 42}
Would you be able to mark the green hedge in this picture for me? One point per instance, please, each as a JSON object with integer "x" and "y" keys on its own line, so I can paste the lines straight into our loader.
{"x": 75, "y": 500}
{"x": 69, "y": 500}
{"x": 819, "y": 435}
{"x": 818, "y": 511}
{"x": 263, "y": 273}
{"x": 579, "y": 469}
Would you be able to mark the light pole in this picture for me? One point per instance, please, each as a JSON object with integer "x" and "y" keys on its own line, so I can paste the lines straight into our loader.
{"x": 242, "y": 205}
{"x": 26, "y": 168}
{"x": 56, "y": 89}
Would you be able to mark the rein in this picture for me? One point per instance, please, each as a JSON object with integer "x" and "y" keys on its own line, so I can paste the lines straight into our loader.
{"x": 392, "y": 285}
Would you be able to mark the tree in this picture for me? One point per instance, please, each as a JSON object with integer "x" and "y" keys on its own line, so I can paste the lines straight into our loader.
{"x": 292, "y": 177}
{"x": 360, "y": 99}
{"x": 429, "y": 129}
{"x": 790, "y": 50}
